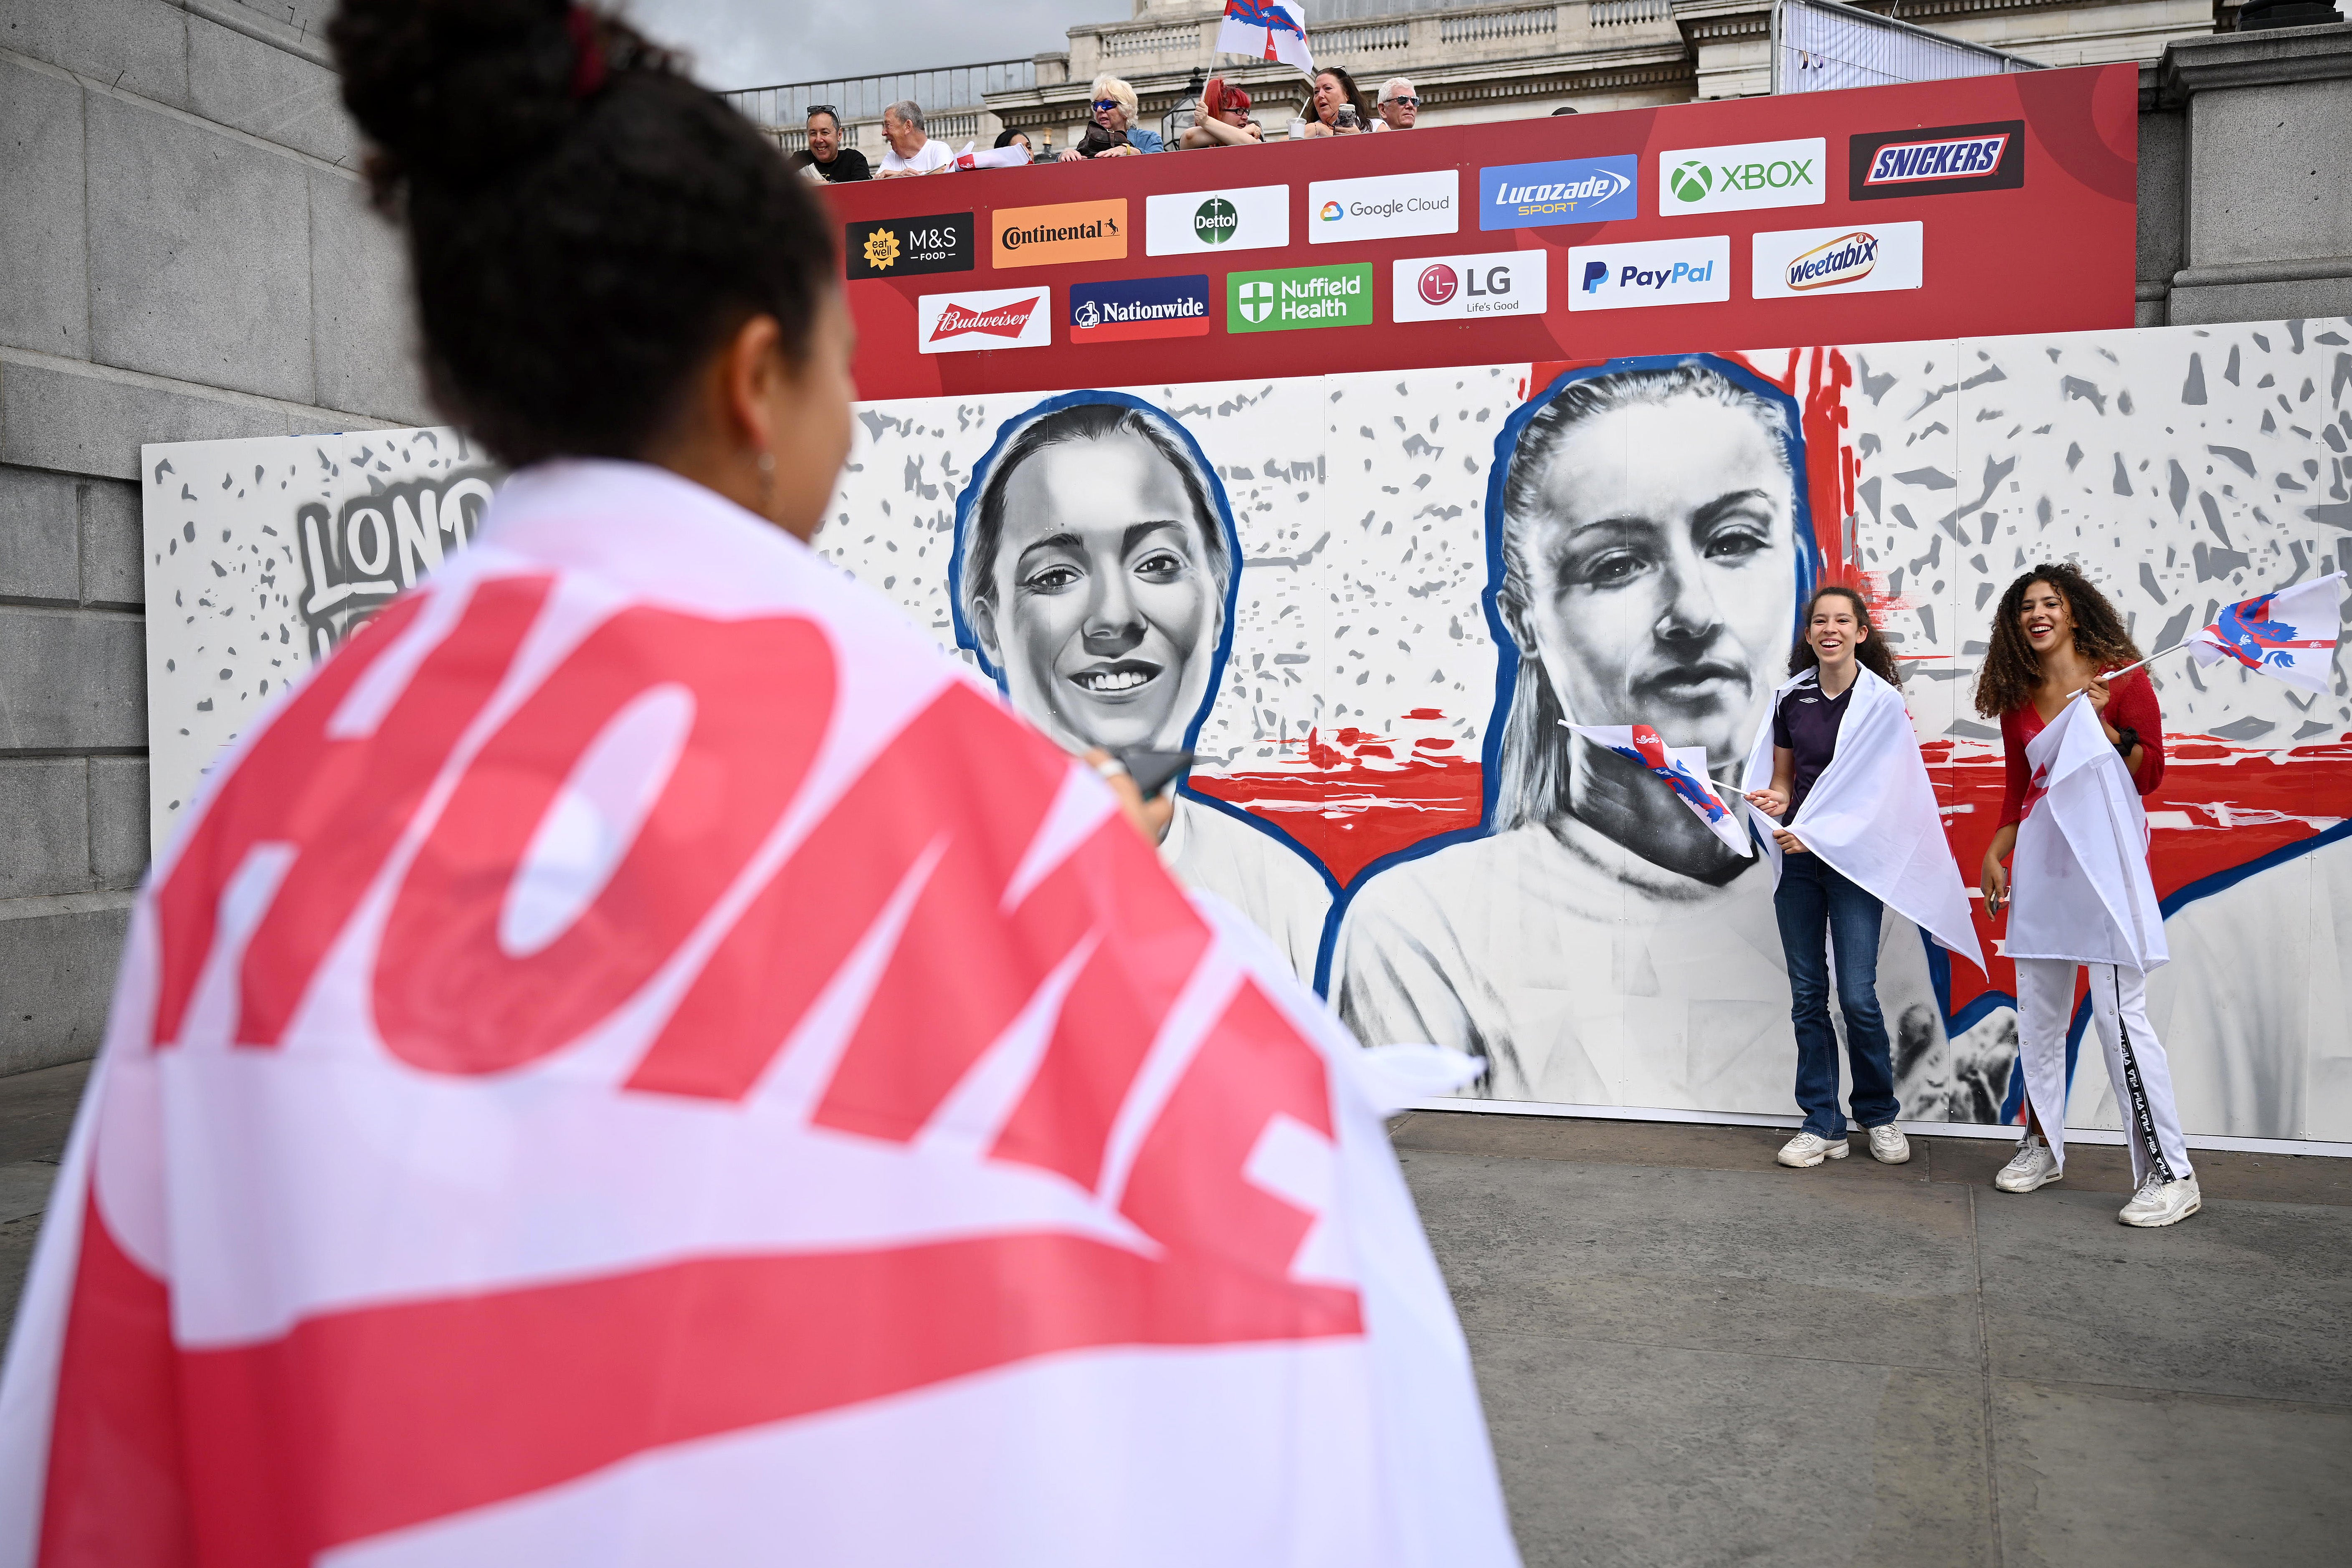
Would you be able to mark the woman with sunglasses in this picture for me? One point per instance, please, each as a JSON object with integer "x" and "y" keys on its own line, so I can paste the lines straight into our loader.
{"x": 1114, "y": 133}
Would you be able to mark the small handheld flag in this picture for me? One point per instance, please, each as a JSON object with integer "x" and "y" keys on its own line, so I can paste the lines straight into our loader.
{"x": 1265, "y": 30}
{"x": 2291, "y": 634}
{"x": 992, "y": 158}
{"x": 1683, "y": 767}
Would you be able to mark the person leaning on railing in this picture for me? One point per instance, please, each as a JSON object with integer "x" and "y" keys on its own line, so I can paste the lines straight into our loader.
{"x": 1114, "y": 133}
{"x": 1223, "y": 121}
{"x": 825, "y": 158}
{"x": 911, "y": 151}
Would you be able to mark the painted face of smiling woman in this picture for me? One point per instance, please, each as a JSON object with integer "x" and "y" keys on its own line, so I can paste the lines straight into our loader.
{"x": 1095, "y": 582}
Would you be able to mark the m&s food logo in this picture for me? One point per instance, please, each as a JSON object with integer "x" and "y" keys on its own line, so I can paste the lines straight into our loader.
{"x": 1066, "y": 231}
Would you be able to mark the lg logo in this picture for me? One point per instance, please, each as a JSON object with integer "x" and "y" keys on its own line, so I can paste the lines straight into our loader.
{"x": 1440, "y": 282}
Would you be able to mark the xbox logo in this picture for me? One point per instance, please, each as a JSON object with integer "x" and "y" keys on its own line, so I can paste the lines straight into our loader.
{"x": 1692, "y": 182}
{"x": 1215, "y": 222}
{"x": 1257, "y": 301}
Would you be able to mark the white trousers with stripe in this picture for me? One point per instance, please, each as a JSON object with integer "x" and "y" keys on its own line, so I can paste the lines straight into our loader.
{"x": 2135, "y": 1060}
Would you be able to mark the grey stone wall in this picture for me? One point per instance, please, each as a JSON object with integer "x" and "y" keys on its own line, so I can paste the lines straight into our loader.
{"x": 2245, "y": 144}
{"x": 185, "y": 252}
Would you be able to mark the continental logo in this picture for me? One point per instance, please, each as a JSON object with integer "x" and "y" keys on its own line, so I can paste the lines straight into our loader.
{"x": 1065, "y": 232}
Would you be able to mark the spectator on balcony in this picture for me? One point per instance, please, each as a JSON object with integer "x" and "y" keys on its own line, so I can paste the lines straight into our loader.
{"x": 1399, "y": 105}
{"x": 1017, "y": 138}
{"x": 824, "y": 158}
{"x": 1338, "y": 108}
{"x": 1223, "y": 119}
{"x": 1114, "y": 133}
{"x": 911, "y": 151}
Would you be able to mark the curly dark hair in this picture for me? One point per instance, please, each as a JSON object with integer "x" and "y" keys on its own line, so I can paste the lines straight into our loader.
{"x": 2011, "y": 672}
{"x": 586, "y": 225}
{"x": 1870, "y": 652}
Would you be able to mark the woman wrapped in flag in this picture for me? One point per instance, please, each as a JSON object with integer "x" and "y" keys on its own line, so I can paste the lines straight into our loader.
{"x": 2082, "y": 752}
{"x": 1839, "y": 769}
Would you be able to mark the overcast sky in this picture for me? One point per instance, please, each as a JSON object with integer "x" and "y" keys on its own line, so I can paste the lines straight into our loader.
{"x": 760, "y": 43}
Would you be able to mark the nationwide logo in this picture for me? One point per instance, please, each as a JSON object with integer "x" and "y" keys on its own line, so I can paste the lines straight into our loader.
{"x": 1742, "y": 177}
{"x": 1140, "y": 308}
{"x": 1651, "y": 272}
{"x": 1066, "y": 231}
{"x": 1186, "y": 223}
{"x": 1000, "y": 320}
{"x": 1290, "y": 298}
{"x": 1945, "y": 160}
{"x": 990, "y": 319}
{"x": 1469, "y": 287}
{"x": 901, "y": 246}
{"x": 1798, "y": 263}
{"x": 1575, "y": 190}
{"x": 1386, "y": 207}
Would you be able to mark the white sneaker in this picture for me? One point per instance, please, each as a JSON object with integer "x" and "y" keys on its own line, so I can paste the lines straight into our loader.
{"x": 2034, "y": 1167}
{"x": 1807, "y": 1150}
{"x": 1888, "y": 1146}
{"x": 2159, "y": 1201}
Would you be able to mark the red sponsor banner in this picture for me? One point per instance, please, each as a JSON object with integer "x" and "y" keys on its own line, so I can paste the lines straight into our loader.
{"x": 2051, "y": 252}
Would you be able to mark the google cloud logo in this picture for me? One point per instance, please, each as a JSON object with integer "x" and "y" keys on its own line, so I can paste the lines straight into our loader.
{"x": 1331, "y": 212}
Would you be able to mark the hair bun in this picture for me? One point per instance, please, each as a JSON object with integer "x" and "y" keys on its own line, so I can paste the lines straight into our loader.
{"x": 460, "y": 93}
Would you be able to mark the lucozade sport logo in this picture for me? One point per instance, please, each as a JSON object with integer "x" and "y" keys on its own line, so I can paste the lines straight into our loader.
{"x": 1573, "y": 190}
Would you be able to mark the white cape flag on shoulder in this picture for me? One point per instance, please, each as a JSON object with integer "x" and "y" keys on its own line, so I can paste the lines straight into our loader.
{"x": 2290, "y": 634}
{"x": 1871, "y": 815}
{"x": 580, "y": 1090}
{"x": 1265, "y": 30}
{"x": 1683, "y": 768}
{"x": 2079, "y": 885}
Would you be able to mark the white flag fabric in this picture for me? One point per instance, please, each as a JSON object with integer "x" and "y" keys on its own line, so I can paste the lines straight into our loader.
{"x": 2079, "y": 884}
{"x": 1265, "y": 30}
{"x": 1684, "y": 768}
{"x": 1871, "y": 815}
{"x": 2290, "y": 634}
{"x": 642, "y": 1061}
{"x": 990, "y": 157}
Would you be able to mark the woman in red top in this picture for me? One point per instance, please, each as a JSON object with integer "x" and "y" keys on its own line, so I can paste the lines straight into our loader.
{"x": 2054, "y": 634}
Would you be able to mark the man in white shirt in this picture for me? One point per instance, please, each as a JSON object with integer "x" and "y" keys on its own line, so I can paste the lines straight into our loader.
{"x": 1400, "y": 104}
{"x": 911, "y": 151}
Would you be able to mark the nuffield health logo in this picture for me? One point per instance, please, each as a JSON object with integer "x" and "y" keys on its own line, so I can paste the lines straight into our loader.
{"x": 1290, "y": 298}
{"x": 1574, "y": 190}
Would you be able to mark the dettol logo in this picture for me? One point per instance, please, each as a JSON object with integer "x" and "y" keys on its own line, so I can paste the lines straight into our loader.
{"x": 1257, "y": 301}
{"x": 1216, "y": 221}
{"x": 1691, "y": 182}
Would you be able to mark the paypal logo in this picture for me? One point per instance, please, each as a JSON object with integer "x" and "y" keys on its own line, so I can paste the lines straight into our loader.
{"x": 1651, "y": 272}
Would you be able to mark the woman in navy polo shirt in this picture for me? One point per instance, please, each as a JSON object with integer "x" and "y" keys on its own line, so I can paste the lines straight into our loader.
{"x": 1815, "y": 905}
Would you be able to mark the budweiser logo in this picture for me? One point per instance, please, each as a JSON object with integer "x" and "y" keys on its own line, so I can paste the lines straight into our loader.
{"x": 1000, "y": 320}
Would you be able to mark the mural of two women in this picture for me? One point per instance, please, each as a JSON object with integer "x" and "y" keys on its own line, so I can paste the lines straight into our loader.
{"x": 1592, "y": 942}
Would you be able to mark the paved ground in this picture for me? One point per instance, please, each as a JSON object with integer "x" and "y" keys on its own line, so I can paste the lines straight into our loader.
{"x": 1690, "y": 1357}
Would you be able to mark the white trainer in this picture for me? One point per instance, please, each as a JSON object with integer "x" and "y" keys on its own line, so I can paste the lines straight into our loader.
{"x": 1808, "y": 1149}
{"x": 1888, "y": 1146}
{"x": 2159, "y": 1201}
{"x": 2033, "y": 1166}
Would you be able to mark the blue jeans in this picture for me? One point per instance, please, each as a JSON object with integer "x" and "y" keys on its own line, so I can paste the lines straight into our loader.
{"x": 1816, "y": 906}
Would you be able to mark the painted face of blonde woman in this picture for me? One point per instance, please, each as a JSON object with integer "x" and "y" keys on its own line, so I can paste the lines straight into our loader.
{"x": 1105, "y": 615}
{"x": 1662, "y": 573}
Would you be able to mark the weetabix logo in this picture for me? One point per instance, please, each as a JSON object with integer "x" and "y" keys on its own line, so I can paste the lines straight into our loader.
{"x": 902, "y": 247}
{"x": 1066, "y": 231}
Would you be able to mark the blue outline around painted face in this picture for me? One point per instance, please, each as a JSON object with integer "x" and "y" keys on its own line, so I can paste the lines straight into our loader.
{"x": 968, "y": 505}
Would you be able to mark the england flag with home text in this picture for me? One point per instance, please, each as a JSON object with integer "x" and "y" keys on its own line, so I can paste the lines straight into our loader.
{"x": 641, "y": 1060}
